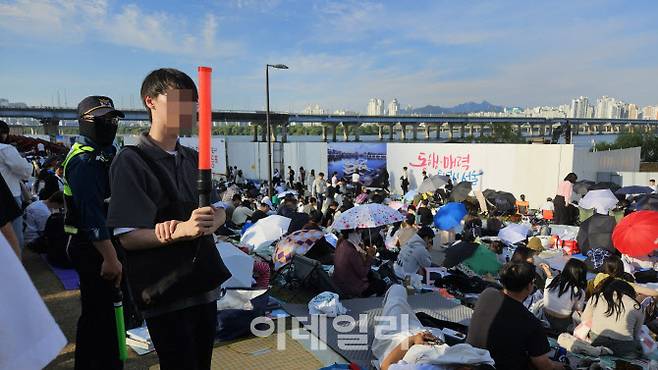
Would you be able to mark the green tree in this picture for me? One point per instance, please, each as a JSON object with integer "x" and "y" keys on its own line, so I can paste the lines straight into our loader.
{"x": 500, "y": 133}
{"x": 647, "y": 142}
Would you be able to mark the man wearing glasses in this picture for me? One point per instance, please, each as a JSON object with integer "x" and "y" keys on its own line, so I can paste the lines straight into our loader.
{"x": 86, "y": 191}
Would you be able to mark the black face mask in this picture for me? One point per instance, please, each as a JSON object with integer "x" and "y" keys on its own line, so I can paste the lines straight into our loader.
{"x": 101, "y": 131}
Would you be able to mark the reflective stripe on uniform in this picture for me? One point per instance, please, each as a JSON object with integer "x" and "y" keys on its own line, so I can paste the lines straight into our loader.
{"x": 76, "y": 150}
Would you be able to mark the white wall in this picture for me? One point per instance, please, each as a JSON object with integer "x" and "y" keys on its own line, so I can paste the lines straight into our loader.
{"x": 637, "y": 178}
{"x": 588, "y": 164}
{"x": 250, "y": 157}
{"x": 217, "y": 157}
{"x": 534, "y": 170}
{"x": 310, "y": 155}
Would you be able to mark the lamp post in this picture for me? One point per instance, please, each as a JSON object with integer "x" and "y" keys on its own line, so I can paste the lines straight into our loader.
{"x": 269, "y": 127}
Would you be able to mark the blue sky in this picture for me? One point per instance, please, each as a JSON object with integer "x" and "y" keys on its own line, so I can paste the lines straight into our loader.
{"x": 340, "y": 53}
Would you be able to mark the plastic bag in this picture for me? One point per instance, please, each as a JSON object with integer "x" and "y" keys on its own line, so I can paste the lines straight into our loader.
{"x": 326, "y": 303}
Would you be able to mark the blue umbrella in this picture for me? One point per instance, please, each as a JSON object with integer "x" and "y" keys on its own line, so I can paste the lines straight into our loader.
{"x": 449, "y": 216}
{"x": 246, "y": 226}
{"x": 634, "y": 189}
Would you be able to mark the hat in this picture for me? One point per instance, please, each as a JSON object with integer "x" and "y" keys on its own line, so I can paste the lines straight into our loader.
{"x": 97, "y": 106}
{"x": 267, "y": 202}
{"x": 535, "y": 244}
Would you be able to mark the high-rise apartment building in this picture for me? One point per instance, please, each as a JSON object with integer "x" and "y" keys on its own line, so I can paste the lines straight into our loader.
{"x": 607, "y": 107}
{"x": 632, "y": 111}
{"x": 314, "y": 109}
{"x": 376, "y": 107}
{"x": 393, "y": 107}
{"x": 650, "y": 112}
{"x": 579, "y": 107}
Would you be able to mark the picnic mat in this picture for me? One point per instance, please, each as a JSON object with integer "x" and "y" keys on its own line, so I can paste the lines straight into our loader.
{"x": 261, "y": 353}
{"x": 354, "y": 351}
{"x": 68, "y": 277}
{"x": 609, "y": 361}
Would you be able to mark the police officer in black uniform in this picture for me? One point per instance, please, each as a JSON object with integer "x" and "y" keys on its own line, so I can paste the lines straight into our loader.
{"x": 86, "y": 194}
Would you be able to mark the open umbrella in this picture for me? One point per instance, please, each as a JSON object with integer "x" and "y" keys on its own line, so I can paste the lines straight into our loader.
{"x": 582, "y": 187}
{"x": 367, "y": 216}
{"x": 648, "y": 202}
{"x": 458, "y": 252}
{"x": 460, "y": 191}
{"x": 265, "y": 231}
{"x": 596, "y": 233}
{"x": 637, "y": 234}
{"x": 284, "y": 193}
{"x": 603, "y": 200}
{"x": 449, "y": 216}
{"x": 395, "y": 204}
{"x": 297, "y": 243}
{"x": 634, "y": 189}
{"x": 503, "y": 201}
{"x": 514, "y": 233}
{"x": 432, "y": 183}
{"x": 605, "y": 185}
{"x": 411, "y": 194}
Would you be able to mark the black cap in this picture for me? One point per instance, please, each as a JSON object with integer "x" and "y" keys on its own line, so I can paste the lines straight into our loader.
{"x": 97, "y": 106}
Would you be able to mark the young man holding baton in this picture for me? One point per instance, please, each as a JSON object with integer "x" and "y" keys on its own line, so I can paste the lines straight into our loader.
{"x": 173, "y": 267}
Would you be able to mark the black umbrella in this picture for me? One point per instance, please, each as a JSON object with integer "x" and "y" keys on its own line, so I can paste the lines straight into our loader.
{"x": 605, "y": 185}
{"x": 460, "y": 191}
{"x": 487, "y": 193}
{"x": 596, "y": 232}
{"x": 648, "y": 202}
{"x": 634, "y": 189}
{"x": 504, "y": 202}
{"x": 459, "y": 252}
{"x": 432, "y": 183}
{"x": 582, "y": 187}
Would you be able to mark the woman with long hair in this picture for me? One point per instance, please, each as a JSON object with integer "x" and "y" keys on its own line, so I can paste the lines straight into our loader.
{"x": 613, "y": 267}
{"x": 561, "y": 215}
{"x": 355, "y": 253}
{"x": 615, "y": 317}
{"x": 565, "y": 294}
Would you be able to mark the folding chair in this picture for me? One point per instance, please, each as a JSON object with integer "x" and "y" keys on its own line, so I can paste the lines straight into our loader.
{"x": 309, "y": 273}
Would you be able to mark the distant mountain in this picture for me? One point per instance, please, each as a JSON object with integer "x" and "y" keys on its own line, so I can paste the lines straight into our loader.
{"x": 470, "y": 107}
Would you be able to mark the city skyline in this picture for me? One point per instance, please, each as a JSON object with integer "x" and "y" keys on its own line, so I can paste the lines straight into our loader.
{"x": 340, "y": 53}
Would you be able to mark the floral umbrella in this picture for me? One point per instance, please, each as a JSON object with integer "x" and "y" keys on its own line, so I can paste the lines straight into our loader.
{"x": 297, "y": 243}
{"x": 367, "y": 216}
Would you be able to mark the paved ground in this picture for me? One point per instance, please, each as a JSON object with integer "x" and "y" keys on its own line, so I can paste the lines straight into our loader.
{"x": 65, "y": 307}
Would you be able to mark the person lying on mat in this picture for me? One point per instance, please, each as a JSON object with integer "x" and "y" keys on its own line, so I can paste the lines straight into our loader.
{"x": 403, "y": 343}
{"x": 354, "y": 256}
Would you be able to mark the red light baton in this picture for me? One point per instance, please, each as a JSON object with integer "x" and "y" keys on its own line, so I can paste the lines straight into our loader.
{"x": 204, "y": 181}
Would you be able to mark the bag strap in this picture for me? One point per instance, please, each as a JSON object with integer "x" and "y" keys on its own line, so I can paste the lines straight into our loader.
{"x": 163, "y": 178}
